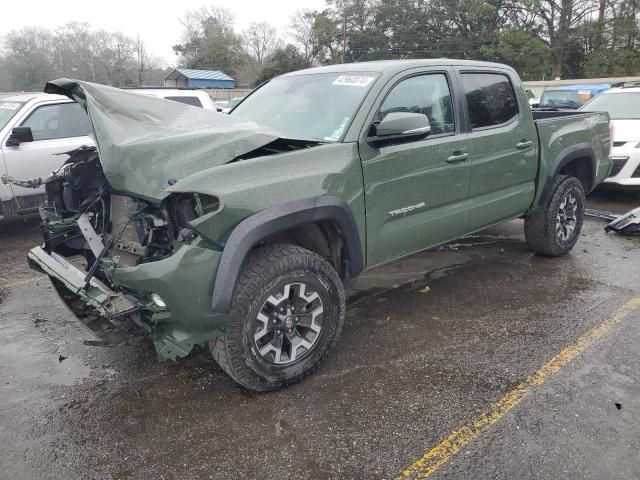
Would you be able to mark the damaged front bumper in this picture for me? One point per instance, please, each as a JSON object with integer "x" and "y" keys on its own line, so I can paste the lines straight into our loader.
{"x": 183, "y": 280}
{"x": 108, "y": 315}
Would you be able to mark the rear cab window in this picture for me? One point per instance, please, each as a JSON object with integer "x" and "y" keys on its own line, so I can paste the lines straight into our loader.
{"x": 491, "y": 99}
{"x": 194, "y": 101}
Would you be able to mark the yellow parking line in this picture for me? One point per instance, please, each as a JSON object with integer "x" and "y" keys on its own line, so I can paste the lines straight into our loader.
{"x": 441, "y": 453}
{"x": 23, "y": 282}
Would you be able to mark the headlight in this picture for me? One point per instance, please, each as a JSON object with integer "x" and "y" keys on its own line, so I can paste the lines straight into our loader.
{"x": 158, "y": 301}
{"x": 189, "y": 206}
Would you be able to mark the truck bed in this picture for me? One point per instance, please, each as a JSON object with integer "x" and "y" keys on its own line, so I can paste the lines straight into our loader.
{"x": 560, "y": 131}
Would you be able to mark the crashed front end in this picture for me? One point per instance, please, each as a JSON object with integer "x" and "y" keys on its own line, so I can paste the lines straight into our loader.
{"x": 123, "y": 244}
{"x": 124, "y": 265}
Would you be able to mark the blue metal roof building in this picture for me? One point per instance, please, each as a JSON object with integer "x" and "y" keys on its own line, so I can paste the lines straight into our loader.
{"x": 188, "y": 78}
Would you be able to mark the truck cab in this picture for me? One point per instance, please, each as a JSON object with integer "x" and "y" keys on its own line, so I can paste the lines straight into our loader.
{"x": 36, "y": 129}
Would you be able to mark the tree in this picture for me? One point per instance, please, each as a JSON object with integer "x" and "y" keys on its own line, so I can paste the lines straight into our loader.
{"x": 28, "y": 60}
{"x": 302, "y": 28}
{"x": 260, "y": 39}
{"x": 555, "y": 20}
{"x": 529, "y": 55}
{"x": 209, "y": 41}
{"x": 283, "y": 60}
{"x": 33, "y": 56}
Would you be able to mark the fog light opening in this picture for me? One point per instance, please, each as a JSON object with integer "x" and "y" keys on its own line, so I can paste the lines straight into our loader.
{"x": 158, "y": 301}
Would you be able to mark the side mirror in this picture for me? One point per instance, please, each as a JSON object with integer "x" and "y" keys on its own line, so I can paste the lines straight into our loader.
{"x": 398, "y": 126}
{"x": 19, "y": 135}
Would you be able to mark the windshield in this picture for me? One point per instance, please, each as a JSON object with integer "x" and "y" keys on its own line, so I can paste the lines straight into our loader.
{"x": 618, "y": 105}
{"x": 309, "y": 107}
{"x": 561, "y": 99}
{"x": 7, "y": 111}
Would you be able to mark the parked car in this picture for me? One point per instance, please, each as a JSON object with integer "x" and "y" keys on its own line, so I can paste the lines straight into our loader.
{"x": 196, "y": 98}
{"x": 241, "y": 231}
{"x": 221, "y": 105}
{"x": 623, "y": 106}
{"x": 570, "y": 96}
{"x": 35, "y": 130}
{"x": 231, "y": 104}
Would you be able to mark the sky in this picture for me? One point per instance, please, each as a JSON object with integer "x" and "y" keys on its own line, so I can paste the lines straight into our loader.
{"x": 157, "y": 22}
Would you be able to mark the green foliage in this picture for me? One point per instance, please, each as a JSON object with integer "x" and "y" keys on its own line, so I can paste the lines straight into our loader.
{"x": 539, "y": 38}
{"x": 283, "y": 60}
{"x": 529, "y": 55}
{"x": 210, "y": 42}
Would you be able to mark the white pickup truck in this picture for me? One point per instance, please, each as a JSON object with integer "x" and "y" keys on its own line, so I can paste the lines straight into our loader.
{"x": 36, "y": 129}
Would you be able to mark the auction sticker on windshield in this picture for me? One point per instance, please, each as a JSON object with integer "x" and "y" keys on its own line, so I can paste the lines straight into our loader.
{"x": 353, "y": 80}
{"x": 9, "y": 105}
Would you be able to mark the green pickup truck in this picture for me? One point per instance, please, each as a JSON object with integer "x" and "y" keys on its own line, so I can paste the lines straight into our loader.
{"x": 242, "y": 231}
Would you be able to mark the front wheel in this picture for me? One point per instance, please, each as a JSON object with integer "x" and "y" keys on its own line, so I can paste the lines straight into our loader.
{"x": 553, "y": 229}
{"x": 288, "y": 311}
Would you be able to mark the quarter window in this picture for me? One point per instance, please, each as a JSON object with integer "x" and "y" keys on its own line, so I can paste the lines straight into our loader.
{"x": 426, "y": 94}
{"x": 490, "y": 98}
{"x": 62, "y": 120}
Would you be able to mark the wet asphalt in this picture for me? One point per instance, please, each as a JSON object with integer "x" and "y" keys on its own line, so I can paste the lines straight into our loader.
{"x": 412, "y": 365}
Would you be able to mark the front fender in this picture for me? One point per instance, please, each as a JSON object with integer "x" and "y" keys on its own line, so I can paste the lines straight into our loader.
{"x": 278, "y": 219}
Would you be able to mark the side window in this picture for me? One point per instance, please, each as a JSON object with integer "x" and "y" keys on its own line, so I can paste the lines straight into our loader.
{"x": 58, "y": 121}
{"x": 194, "y": 101}
{"x": 426, "y": 94}
{"x": 490, "y": 98}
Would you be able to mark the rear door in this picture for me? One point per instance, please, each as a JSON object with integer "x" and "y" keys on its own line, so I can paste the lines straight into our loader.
{"x": 416, "y": 191}
{"x": 504, "y": 147}
{"x": 57, "y": 128}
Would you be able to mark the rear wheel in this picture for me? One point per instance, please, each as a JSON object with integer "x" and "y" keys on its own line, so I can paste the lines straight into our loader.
{"x": 288, "y": 311}
{"x": 553, "y": 229}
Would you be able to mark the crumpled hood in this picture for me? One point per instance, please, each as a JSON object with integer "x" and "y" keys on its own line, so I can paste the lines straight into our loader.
{"x": 144, "y": 141}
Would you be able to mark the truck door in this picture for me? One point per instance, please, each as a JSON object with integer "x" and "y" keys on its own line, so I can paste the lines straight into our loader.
{"x": 416, "y": 190}
{"x": 56, "y": 128}
{"x": 504, "y": 145}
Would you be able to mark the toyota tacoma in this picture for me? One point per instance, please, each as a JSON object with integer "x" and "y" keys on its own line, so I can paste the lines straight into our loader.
{"x": 242, "y": 231}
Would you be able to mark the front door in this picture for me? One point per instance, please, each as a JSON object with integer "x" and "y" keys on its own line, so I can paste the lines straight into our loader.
{"x": 416, "y": 191}
{"x": 56, "y": 128}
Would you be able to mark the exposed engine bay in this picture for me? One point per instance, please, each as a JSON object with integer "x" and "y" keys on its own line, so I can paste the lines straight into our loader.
{"x": 132, "y": 230}
{"x": 89, "y": 230}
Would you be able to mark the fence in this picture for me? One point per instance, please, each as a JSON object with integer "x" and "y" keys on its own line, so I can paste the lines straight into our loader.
{"x": 538, "y": 86}
{"x": 228, "y": 93}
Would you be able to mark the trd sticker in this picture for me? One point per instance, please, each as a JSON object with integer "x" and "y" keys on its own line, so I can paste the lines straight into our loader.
{"x": 9, "y": 105}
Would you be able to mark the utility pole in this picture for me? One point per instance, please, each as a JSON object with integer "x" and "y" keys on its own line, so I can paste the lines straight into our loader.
{"x": 344, "y": 30}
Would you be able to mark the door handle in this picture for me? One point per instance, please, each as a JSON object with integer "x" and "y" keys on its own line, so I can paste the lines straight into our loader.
{"x": 457, "y": 157}
{"x": 524, "y": 144}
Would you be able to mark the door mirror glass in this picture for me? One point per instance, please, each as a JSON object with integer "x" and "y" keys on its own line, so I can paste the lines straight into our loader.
{"x": 403, "y": 123}
{"x": 19, "y": 135}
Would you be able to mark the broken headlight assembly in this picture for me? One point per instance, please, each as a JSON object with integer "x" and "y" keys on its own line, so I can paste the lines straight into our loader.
{"x": 186, "y": 207}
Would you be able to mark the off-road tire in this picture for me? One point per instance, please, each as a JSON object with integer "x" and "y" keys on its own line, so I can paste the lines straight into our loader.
{"x": 540, "y": 225}
{"x": 263, "y": 273}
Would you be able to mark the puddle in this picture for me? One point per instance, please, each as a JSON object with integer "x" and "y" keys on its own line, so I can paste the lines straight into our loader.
{"x": 442, "y": 272}
{"x": 68, "y": 372}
